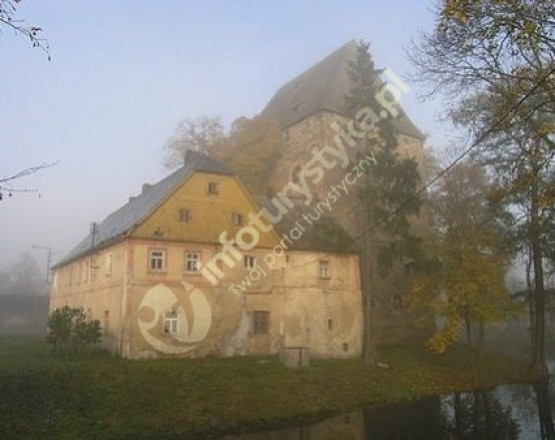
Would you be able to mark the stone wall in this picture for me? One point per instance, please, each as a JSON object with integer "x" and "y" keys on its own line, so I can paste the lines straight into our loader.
{"x": 314, "y": 132}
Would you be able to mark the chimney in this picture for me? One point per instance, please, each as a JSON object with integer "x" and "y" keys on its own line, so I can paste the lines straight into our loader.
{"x": 146, "y": 187}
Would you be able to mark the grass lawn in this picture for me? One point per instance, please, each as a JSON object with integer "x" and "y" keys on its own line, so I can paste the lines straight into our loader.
{"x": 44, "y": 397}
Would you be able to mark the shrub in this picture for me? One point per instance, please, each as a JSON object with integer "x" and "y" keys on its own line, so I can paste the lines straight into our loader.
{"x": 70, "y": 331}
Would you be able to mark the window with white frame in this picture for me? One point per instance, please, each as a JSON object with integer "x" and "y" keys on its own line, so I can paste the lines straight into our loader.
{"x": 109, "y": 259}
{"x": 324, "y": 269}
{"x": 249, "y": 261}
{"x": 157, "y": 260}
{"x": 192, "y": 261}
{"x": 170, "y": 322}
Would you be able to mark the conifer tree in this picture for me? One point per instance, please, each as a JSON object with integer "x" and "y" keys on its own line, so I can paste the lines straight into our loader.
{"x": 387, "y": 195}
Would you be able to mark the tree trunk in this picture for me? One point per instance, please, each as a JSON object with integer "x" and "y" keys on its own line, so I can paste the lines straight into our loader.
{"x": 538, "y": 359}
{"x": 481, "y": 336}
{"x": 530, "y": 299}
{"x": 368, "y": 273}
{"x": 468, "y": 329}
{"x": 368, "y": 289}
{"x": 541, "y": 390}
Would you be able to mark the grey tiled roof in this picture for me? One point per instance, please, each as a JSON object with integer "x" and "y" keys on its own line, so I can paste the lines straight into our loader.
{"x": 323, "y": 86}
{"x": 122, "y": 220}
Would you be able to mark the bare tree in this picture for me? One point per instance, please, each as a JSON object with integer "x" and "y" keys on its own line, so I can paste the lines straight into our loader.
{"x": 9, "y": 19}
{"x": 6, "y": 183}
{"x": 193, "y": 134}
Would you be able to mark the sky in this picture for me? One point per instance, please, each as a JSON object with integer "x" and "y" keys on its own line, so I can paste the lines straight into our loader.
{"x": 123, "y": 73}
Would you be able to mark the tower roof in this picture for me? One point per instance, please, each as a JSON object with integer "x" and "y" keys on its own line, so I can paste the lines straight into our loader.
{"x": 323, "y": 86}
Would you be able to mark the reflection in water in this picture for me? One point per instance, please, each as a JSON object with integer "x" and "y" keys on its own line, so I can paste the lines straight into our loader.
{"x": 545, "y": 414}
{"x": 513, "y": 412}
{"x": 477, "y": 415}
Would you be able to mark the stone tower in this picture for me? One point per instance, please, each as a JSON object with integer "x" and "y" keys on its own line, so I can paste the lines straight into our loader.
{"x": 306, "y": 108}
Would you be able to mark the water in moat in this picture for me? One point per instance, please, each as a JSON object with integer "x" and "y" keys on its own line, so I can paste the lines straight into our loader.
{"x": 509, "y": 412}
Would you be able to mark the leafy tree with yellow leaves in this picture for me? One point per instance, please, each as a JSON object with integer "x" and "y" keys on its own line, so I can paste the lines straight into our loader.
{"x": 251, "y": 150}
{"x": 495, "y": 62}
{"x": 463, "y": 285}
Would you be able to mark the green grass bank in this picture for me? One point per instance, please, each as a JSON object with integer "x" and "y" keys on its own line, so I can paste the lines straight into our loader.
{"x": 45, "y": 397}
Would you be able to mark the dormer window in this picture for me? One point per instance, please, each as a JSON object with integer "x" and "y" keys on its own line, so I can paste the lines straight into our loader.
{"x": 213, "y": 188}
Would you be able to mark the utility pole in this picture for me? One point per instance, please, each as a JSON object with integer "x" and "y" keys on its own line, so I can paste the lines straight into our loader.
{"x": 48, "y": 259}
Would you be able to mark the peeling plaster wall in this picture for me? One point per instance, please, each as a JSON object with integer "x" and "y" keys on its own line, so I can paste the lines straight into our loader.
{"x": 314, "y": 132}
{"x": 95, "y": 285}
{"x": 300, "y": 305}
{"x": 305, "y": 310}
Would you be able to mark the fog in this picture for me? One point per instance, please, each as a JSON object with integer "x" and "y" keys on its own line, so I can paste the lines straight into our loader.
{"x": 121, "y": 77}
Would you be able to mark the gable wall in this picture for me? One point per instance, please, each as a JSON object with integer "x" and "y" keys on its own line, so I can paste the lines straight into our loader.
{"x": 211, "y": 214}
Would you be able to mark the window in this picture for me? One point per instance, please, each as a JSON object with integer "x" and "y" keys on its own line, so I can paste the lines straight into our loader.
{"x": 93, "y": 269}
{"x": 184, "y": 215}
{"x": 170, "y": 322}
{"x": 157, "y": 262}
{"x": 192, "y": 262}
{"x": 237, "y": 219}
{"x": 249, "y": 261}
{"x": 324, "y": 270}
{"x": 212, "y": 188}
{"x": 260, "y": 322}
{"x": 106, "y": 322}
{"x": 109, "y": 264}
{"x": 330, "y": 324}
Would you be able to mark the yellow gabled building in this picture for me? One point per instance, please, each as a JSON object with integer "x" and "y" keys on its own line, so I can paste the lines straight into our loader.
{"x": 192, "y": 267}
